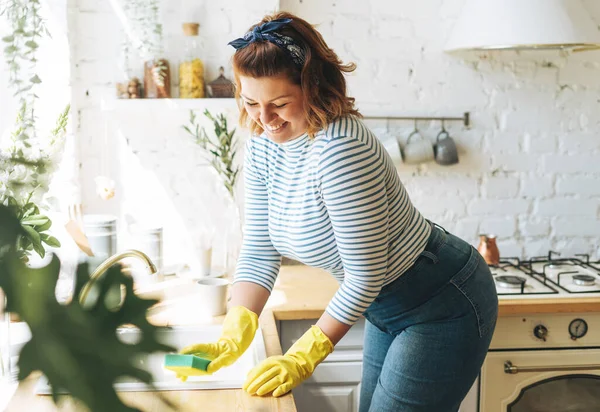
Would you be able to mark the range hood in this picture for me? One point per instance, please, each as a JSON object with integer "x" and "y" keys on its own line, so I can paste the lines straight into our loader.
{"x": 523, "y": 25}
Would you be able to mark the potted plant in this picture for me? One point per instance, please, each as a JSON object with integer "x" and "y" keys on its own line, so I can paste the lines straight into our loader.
{"x": 30, "y": 158}
{"x": 220, "y": 150}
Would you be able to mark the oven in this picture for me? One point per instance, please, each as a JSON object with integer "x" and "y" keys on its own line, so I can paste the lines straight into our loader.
{"x": 539, "y": 364}
{"x": 547, "y": 362}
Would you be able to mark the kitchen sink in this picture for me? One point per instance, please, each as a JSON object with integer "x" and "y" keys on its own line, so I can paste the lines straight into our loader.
{"x": 230, "y": 377}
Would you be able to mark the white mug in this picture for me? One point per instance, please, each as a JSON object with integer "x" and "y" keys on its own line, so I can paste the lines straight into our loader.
{"x": 418, "y": 151}
{"x": 211, "y": 296}
{"x": 392, "y": 146}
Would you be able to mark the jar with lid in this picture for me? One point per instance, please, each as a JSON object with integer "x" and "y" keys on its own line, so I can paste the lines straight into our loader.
{"x": 191, "y": 68}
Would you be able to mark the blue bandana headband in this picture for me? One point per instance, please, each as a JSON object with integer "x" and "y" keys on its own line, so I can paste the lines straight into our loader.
{"x": 268, "y": 32}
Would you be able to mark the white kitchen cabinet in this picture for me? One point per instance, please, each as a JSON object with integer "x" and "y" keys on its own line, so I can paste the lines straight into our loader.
{"x": 335, "y": 385}
{"x": 316, "y": 395}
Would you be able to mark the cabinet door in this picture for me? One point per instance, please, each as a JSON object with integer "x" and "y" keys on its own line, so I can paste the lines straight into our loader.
{"x": 335, "y": 384}
{"x": 334, "y": 387}
{"x": 327, "y": 397}
{"x": 291, "y": 330}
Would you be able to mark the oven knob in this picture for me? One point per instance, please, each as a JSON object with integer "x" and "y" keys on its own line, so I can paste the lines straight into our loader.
{"x": 540, "y": 332}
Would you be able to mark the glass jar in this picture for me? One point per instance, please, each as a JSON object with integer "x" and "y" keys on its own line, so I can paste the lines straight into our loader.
{"x": 191, "y": 68}
{"x": 128, "y": 84}
{"x": 157, "y": 79}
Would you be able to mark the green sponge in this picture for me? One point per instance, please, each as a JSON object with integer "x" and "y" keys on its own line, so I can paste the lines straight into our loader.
{"x": 186, "y": 365}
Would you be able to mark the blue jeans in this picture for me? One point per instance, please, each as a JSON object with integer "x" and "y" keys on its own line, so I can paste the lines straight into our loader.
{"x": 428, "y": 332}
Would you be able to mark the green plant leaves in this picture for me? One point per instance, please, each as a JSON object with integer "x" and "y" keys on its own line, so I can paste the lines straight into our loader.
{"x": 221, "y": 150}
{"x": 49, "y": 240}
{"x": 11, "y": 229}
{"x": 75, "y": 346}
{"x": 31, "y": 44}
{"x": 27, "y": 26}
{"x": 35, "y": 220}
{"x": 29, "y": 209}
{"x": 34, "y": 238}
{"x": 34, "y": 226}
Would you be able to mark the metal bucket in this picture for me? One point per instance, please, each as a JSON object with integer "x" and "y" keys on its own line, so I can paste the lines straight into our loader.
{"x": 101, "y": 231}
{"x": 150, "y": 241}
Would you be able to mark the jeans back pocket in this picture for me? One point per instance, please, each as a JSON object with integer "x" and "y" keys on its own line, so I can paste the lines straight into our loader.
{"x": 476, "y": 284}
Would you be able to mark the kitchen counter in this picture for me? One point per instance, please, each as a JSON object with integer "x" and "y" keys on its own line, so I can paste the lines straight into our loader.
{"x": 300, "y": 293}
{"x": 230, "y": 400}
{"x": 303, "y": 293}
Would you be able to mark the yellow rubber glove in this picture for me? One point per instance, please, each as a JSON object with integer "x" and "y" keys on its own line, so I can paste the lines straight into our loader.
{"x": 280, "y": 374}
{"x": 239, "y": 328}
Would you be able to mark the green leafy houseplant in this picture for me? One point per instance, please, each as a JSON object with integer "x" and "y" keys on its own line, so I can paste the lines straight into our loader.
{"x": 74, "y": 345}
{"x": 24, "y": 180}
{"x": 220, "y": 151}
{"x": 28, "y": 161}
{"x": 20, "y": 46}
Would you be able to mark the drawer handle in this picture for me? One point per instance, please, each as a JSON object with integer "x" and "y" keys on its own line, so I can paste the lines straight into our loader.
{"x": 513, "y": 369}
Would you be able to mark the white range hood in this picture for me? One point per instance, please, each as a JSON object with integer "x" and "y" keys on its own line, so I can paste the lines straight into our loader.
{"x": 524, "y": 24}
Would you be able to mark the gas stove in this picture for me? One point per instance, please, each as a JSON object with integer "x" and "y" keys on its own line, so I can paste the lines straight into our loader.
{"x": 529, "y": 350}
{"x": 547, "y": 277}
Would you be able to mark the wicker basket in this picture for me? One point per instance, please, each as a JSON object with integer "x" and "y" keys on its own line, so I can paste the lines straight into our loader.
{"x": 221, "y": 86}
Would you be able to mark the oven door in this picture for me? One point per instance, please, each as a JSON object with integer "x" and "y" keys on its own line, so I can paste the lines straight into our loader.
{"x": 541, "y": 381}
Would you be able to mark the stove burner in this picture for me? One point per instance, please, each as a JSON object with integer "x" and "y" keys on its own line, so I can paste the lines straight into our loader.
{"x": 584, "y": 280}
{"x": 509, "y": 281}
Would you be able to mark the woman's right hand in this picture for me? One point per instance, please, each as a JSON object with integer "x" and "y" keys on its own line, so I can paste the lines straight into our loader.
{"x": 239, "y": 328}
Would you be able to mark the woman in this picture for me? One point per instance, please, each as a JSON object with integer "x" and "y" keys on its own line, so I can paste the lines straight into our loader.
{"x": 321, "y": 189}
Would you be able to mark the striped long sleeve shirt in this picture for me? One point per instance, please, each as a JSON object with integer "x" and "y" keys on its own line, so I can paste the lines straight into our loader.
{"x": 334, "y": 202}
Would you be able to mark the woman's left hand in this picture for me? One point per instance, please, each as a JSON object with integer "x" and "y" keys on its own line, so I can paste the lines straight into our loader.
{"x": 280, "y": 374}
{"x": 277, "y": 375}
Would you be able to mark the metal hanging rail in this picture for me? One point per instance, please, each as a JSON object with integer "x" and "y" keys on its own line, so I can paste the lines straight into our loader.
{"x": 466, "y": 118}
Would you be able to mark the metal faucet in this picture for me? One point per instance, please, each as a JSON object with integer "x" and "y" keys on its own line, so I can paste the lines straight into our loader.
{"x": 104, "y": 266}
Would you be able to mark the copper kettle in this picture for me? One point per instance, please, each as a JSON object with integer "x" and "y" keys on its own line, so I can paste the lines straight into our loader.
{"x": 488, "y": 249}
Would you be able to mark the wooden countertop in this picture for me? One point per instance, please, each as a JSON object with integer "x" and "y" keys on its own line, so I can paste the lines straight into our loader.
{"x": 300, "y": 293}
{"x": 303, "y": 293}
{"x": 230, "y": 400}
{"x": 187, "y": 401}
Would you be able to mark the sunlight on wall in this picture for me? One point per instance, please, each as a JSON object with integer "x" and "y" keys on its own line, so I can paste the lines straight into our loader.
{"x": 162, "y": 180}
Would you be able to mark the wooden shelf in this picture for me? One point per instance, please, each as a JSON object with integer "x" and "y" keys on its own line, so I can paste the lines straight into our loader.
{"x": 169, "y": 104}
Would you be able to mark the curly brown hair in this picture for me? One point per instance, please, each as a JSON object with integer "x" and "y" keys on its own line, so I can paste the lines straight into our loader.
{"x": 321, "y": 77}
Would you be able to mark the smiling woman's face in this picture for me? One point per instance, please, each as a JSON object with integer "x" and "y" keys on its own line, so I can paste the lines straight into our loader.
{"x": 276, "y": 104}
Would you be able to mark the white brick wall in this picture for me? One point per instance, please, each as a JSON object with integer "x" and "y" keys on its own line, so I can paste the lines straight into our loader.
{"x": 529, "y": 166}
{"x": 584, "y": 186}
{"x": 537, "y": 186}
{"x": 501, "y": 187}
